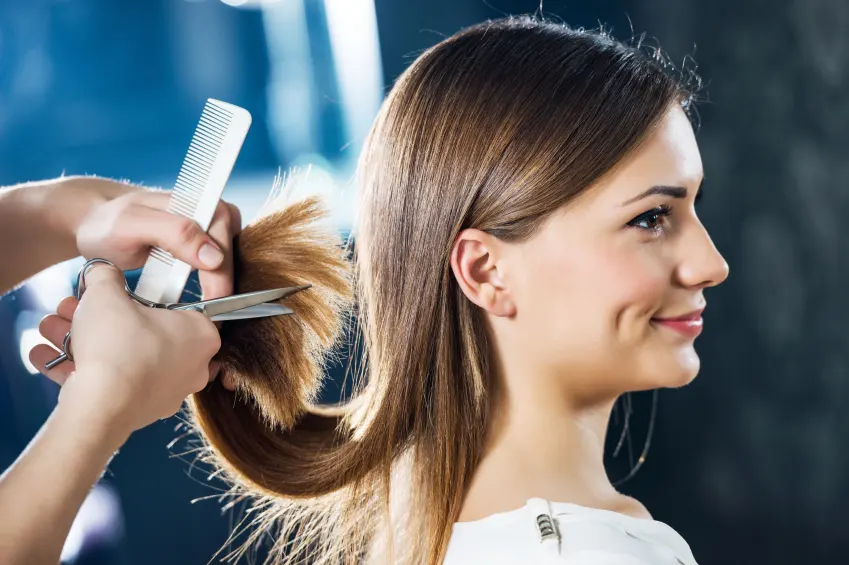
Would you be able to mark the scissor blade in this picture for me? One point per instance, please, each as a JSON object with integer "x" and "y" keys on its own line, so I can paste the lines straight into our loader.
{"x": 258, "y": 311}
{"x": 219, "y": 306}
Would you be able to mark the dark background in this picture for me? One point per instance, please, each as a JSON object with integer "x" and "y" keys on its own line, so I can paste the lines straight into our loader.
{"x": 750, "y": 463}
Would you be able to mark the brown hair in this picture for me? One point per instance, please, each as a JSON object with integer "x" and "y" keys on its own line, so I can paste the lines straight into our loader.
{"x": 494, "y": 128}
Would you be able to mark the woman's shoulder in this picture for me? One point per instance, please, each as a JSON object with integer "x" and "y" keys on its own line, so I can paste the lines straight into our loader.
{"x": 555, "y": 532}
{"x": 632, "y": 507}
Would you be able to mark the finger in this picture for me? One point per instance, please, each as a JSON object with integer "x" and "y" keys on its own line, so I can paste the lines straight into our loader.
{"x": 41, "y": 354}
{"x": 202, "y": 330}
{"x": 219, "y": 282}
{"x": 160, "y": 200}
{"x": 153, "y": 198}
{"x": 180, "y": 236}
{"x": 54, "y": 328}
{"x": 67, "y": 307}
{"x": 211, "y": 337}
{"x": 107, "y": 276}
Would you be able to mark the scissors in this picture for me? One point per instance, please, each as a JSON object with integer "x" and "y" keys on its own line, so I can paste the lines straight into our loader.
{"x": 237, "y": 307}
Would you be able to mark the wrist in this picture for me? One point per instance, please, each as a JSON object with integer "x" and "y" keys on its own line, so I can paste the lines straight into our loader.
{"x": 93, "y": 425}
{"x": 31, "y": 204}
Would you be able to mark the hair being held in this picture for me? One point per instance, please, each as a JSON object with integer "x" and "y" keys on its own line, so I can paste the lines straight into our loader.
{"x": 494, "y": 128}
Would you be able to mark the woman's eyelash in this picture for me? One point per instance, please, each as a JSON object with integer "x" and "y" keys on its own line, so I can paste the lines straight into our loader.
{"x": 651, "y": 220}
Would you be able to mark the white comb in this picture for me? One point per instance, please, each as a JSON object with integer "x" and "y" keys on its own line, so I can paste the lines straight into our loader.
{"x": 212, "y": 153}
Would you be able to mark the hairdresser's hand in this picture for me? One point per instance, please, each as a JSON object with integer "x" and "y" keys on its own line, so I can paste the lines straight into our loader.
{"x": 120, "y": 222}
{"x": 132, "y": 365}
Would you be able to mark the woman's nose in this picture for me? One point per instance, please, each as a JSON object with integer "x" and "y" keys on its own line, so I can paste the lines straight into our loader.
{"x": 702, "y": 265}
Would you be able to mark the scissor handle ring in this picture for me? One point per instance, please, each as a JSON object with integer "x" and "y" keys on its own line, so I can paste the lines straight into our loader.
{"x": 78, "y": 294}
{"x": 66, "y": 346}
{"x": 91, "y": 263}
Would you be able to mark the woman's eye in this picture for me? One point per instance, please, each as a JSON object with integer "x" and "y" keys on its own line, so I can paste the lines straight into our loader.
{"x": 651, "y": 220}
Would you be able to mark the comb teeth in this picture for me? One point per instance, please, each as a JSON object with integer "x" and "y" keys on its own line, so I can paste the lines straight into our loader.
{"x": 200, "y": 160}
{"x": 212, "y": 153}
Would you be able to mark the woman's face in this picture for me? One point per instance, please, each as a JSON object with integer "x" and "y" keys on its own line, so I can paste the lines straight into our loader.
{"x": 598, "y": 288}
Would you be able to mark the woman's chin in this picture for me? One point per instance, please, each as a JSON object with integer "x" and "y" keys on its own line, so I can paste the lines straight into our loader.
{"x": 685, "y": 367}
{"x": 675, "y": 371}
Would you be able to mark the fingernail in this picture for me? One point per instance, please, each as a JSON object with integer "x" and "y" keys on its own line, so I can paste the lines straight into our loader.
{"x": 210, "y": 255}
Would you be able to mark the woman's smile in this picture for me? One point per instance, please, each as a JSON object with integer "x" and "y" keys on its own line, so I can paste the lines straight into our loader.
{"x": 690, "y": 324}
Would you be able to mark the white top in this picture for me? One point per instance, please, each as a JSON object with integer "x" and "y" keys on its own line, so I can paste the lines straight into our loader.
{"x": 557, "y": 533}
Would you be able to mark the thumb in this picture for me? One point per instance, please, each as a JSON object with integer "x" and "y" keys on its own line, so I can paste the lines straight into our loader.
{"x": 104, "y": 275}
{"x": 180, "y": 236}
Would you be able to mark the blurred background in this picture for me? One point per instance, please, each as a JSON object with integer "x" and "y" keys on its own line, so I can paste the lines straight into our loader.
{"x": 750, "y": 463}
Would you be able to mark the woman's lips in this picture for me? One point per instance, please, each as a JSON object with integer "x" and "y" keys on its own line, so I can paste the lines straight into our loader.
{"x": 689, "y": 325}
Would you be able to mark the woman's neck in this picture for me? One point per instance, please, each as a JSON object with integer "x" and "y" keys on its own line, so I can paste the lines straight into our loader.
{"x": 539, "y": 447}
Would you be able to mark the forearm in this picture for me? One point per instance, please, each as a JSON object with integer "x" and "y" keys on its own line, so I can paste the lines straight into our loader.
{"x": 42, "y": 492}
{"x": 38, "y": 223}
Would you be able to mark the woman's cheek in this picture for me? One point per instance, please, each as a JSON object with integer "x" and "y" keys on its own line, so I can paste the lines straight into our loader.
{"x": 631, "y": 287}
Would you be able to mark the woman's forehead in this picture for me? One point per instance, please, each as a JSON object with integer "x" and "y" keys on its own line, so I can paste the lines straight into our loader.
{"x": 668, "y": 156}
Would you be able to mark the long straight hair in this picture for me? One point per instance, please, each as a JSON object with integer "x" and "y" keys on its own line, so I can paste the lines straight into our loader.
{"x": 493, "y": 128}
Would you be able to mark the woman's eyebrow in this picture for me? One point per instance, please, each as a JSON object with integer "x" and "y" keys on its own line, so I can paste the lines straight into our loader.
{"x": 673, "y": 191}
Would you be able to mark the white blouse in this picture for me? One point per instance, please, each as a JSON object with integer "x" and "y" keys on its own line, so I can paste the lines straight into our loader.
{"x": 544, "y": 532}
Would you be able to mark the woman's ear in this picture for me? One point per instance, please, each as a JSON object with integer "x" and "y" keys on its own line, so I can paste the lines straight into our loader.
{"x": 475, "y": 260}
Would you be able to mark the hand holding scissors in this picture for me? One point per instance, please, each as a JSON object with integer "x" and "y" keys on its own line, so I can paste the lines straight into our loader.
{"x": 237, "y": 307}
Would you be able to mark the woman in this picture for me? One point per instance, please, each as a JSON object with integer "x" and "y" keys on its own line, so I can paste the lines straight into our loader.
{"x": 527, "y": 251}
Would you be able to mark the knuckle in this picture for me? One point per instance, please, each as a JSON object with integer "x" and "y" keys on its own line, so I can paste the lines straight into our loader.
{"x": 214, "y": 338}
{"x": 185, "y": 230}
{"x": 124, "y": 211}
{"x": 210, "y": 345}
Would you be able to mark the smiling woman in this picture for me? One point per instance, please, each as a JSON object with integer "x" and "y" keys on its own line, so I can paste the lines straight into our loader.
{"x": 527, "y": 251}
{"x": 636, "y": 261}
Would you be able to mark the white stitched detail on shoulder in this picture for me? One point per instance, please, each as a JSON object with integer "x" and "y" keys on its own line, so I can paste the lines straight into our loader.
{"x": 546, "y": 524}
